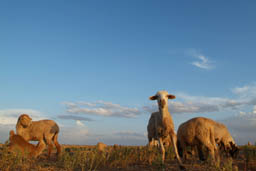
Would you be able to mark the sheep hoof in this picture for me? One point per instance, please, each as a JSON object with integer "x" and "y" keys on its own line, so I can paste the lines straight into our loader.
{"x": 182, "y": 167}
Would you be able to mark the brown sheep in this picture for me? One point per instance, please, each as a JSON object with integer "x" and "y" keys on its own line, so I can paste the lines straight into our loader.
{"x": 116, "y": 146}
{"x": 160, "y": 124}
{"x": 101, "y": 146}
{"x": 221, "y": 136}
{"x": 44, "y": 131}
{"x": 197, "y": 132}
{"x": 17, "y": 143}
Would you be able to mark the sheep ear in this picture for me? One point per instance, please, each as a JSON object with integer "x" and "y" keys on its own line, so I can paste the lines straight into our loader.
{"x": 170, "y": 96}
{"x": 233, "y": 146}
{"x": 152, "y": 97}
{"x": 218, "y": 141}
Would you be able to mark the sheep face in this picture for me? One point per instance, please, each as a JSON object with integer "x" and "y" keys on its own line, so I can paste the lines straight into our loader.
{"x": 25, "y": 120}
{"x": 234, "y": 150}
{"x": 162, "y": 98}
{"x": 230, "y": 148}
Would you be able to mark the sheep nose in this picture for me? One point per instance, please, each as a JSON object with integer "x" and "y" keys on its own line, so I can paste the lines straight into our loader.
{"x": 162, "y": 103}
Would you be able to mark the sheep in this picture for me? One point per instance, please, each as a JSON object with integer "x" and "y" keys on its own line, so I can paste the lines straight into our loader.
{"x": 160, "y": 124}
{"x": 116, "y": 147}
{"x": 44, "y": 131}
{"x": 197, "y": 132}
{"x": 101, "y": 147}
{"x": 17, "y": 143}
{"x": 192, "y": 133}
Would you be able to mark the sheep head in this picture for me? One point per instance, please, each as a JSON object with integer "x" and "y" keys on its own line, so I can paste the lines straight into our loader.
{"x": 234, "y": 150}
{"x": 24, "y": 120}
{"x": 162, "y": 98}
{"x": 230, "y": 148}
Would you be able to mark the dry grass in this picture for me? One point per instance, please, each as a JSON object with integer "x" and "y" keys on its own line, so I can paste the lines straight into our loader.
{"x": 80, "y": 158}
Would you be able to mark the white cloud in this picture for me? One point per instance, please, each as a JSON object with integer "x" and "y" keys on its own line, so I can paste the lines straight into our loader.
{"x": 10, "y": 116}
{"x": 78, "y": 134}
{"x": 79, "y": 123}
{"x": 199, "y": 104}
{"x": 243, "y": 97}
{"x": 247, "y": 91}
{"x": 74, "y": 117}
{"x": 69, "y": 104}
{"x": 102, "y": 108}
{"x": 4, "y": 132}
{"x": 254, "y": 110}
{"x": 240, "y": 90}
{"x": 242, "y": 126}
{"x": 129, "y": 134}
{"x": 202, "y": 62}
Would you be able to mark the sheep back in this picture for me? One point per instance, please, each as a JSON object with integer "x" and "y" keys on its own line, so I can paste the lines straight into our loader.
{"x": 37, "y": 130}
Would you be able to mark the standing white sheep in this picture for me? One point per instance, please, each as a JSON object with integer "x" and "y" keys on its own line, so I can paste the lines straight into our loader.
{"x": 161, "y": 125}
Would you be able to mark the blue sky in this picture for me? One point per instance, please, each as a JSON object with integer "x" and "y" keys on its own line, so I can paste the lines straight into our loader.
{"x": 91, "y": 65}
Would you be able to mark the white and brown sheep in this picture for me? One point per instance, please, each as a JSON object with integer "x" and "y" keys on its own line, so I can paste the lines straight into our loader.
{"x": 160, "y": 124}
{"x": 44, "y": 131}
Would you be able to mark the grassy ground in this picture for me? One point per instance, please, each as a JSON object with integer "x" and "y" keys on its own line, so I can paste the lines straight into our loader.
{"x": 125, "y": 158}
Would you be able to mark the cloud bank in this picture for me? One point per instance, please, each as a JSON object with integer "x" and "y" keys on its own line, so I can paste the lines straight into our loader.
{"x": 101, "y": 108}
{"x": 74, "y": 117}
{"x": 242, "y": 126}
{"x": 10, "y": 116}
{"x": 241, "y": 122}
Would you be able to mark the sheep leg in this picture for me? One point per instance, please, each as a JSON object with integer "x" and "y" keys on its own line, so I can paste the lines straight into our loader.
{"x": 57, "y": 145}
{"x": 180, "y": 148}
{"x": 200, "y": 152}
{"x": 184, "y": 152}
{"x": 150, "y": 142}
{"x": 50, "y": 146}
{"x": 212, "y": 148}
{"x": 211, "y": 151}
{"x": 40, "y": 147}
{"x": 162, "y": 149}
{"x": 174, "y": 142}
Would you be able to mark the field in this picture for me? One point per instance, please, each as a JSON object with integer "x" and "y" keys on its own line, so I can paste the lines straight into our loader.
{"x": 115, "y": 158}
